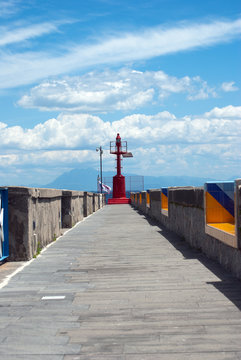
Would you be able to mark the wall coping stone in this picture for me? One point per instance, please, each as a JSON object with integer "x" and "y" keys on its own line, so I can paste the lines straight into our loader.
{"x": 155, "y": 195}
{"x": 88, "y": 193}
{"x": 187, "y": 196}
{"x": 73, "y": 193}
{"x": 35, "y": 192}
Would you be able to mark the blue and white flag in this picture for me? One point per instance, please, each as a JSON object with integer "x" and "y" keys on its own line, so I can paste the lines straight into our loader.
{"x": 105, "y": 188}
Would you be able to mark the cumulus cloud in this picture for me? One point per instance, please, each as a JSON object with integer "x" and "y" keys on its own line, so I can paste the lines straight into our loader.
{"x": 230, "y": 112}
{"x": 229, "y": 86}
{"x": 161, "y": 143}
{"x": 82, "y": 131}
{"x": 74, "y": 131}
{"x": 125, "y": 89}
{"x": 26, "y": 67}
{"x": 48, "y": 157}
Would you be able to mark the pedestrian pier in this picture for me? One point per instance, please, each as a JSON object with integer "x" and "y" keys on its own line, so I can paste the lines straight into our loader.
{"x": 118, "y": 286}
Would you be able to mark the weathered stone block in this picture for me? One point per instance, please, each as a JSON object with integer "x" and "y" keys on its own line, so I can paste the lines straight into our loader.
{"x": 187, "y": 196}
{"x": 88, "y": 203}
{"x": 72, "y": 207}
{"x": 34, "y": 220}
{"x": 155, "y": 203}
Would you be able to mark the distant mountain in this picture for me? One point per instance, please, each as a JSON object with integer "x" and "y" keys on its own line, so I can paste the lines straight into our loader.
{"x": 77, "y": 179}
{"x": 86, "y": 180}
{"x": 152, "y": 182}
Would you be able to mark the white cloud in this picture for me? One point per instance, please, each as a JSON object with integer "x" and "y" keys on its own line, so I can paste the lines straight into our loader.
{"x": 230, "y": 112}
{"x": 8, "y": 160}
{"x": 229, "y": 86}
{"x": 19, "y": 34}
{"x": 199, "y": 90}
{"x": 2, "y": 125}
{"x": 82, "y": 131}
{"x": 65, "y": 132}
{"x": 8, "y": 7}
{"x": 124, "y": 89}
{"x": 207, "y": 144}
{"x": 27, "y": 67}
{"x": 48, "y": 157}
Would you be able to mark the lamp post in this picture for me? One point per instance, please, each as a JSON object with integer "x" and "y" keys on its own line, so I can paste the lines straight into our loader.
{"x": 101, "y": 153}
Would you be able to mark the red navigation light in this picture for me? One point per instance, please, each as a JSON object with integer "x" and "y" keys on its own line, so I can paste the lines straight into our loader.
{"x": 119, "y": 189}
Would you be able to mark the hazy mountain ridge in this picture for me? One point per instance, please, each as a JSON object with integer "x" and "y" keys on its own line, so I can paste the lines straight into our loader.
{"x": 86, "y": 180}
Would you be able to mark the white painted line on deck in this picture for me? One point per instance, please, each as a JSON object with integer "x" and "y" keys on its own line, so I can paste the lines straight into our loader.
{"x": 9, "y": 277}
{"x": 56, "y": 297}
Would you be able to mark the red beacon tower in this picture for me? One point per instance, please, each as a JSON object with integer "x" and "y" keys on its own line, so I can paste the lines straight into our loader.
{"x": 119, "y": 148}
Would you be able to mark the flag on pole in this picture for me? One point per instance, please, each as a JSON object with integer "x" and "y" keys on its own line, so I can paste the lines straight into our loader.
{"x": 105, "y": 188}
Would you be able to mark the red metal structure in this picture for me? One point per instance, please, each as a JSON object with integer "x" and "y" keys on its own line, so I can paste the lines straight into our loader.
{"x": 119, "y": 148}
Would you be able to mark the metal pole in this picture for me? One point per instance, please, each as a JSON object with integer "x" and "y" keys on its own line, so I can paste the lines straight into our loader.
{"x": 101, "y": 152}
{"x": 118, "y": 154}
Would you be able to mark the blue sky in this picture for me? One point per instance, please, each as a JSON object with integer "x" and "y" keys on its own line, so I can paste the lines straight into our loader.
{"x": 163, "y": 73}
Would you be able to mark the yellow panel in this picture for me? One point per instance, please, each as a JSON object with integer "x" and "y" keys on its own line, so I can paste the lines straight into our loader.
{"x": 227, "y": 227}
{"x": 215, "y": 212}
{"x": 140, "y": 198}
{"x": 148, "y": 198}
{"x": 164, "y": 200}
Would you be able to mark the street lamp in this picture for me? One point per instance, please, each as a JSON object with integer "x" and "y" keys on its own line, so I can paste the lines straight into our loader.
{"x": 101, "y": 153}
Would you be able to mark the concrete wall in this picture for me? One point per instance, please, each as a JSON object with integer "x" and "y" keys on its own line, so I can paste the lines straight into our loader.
{"x": 34, "y": 220}
{"x": 186, "y": 217}
{"x": 143, "y": 201}
{"x": 88, "y": 203}
{"x": 96, "y": 202}
{"x": 72, "y": 207}
{"x": 238, "y": 211}
{"x": 37, "y": 216}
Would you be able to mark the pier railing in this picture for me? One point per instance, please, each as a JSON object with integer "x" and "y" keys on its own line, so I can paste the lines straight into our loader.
{"x": 208, "y": 218}
{"x": 36, "y": 217}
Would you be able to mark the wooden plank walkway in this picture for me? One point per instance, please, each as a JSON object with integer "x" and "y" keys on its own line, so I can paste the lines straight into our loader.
{"x": 117, "y": 287}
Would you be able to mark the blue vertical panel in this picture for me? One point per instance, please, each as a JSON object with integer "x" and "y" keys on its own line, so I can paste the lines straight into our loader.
{"x": 4, "y": 242}
{"x": 223, "y": 192}
{"x": 165, "y": 191}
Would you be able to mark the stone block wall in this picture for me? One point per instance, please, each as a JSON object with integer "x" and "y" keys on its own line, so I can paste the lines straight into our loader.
{"x": 142, "y": 205}
{"x": 186, "y": 213}
{"x": 186, "y": 217}
{"x": 238, "y": 211}
{"x": 96, "y": 202}
{"x": 37, "y": 216}
{"x": 155, "y": 204}
{"x": 18, "y": 223}
{"x": 88, "y": 203}
{"x": 72, "y": 207}
{"x": 34, "y": 217}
